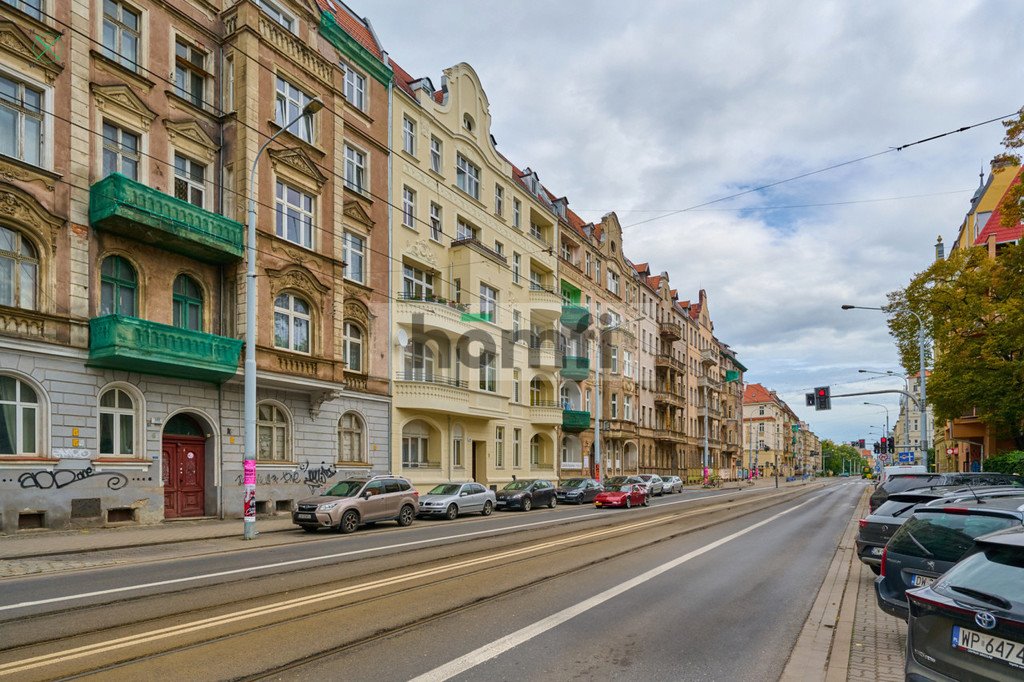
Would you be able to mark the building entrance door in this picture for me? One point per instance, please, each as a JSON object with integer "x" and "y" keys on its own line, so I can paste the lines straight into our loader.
{"x": 184, "y": 459}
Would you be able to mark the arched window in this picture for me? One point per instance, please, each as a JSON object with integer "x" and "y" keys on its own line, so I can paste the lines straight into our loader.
{"x": 117, "y": 424}
{"x": 415, "y": 442}
{"x": 350, "y": 438}
{"x": 536, "y": 449}
{"x": 19, "y": 270}
{"x": 188, "y": 304}
{"x": 536, "y": 392}
{"x": 273, "y": 433}
{"x": 457, "y": 445}
{"x": 19, "y": 417}
{"x": 353, "y": 347}
{"x": 291, "y": 323}
{"x": 118, "y": 287}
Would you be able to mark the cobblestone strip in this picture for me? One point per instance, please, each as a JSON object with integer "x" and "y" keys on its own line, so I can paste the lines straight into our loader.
{"x": 879, "y": 640}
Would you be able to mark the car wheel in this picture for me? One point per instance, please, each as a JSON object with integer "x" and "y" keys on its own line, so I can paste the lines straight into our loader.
{"x": 877, "y": 570}
{"x": 309, "y": 529}
{"x": 527, "y": 504}
{"x": 647, "y": 500}
{"x": 452, "y": 513}
{"x": 488, "y": 508}
{"x": 553, "y": 502}
{"x": 405, "y": 516}
{"x": 349, "y": 521}
{"x": 629, "y": 503}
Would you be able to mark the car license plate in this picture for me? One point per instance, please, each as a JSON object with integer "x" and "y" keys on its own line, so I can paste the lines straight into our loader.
{"x": 921, "y": 580}
{"x": 989, "y": 646}
{"x": 305, "y": 516}
{"x": 597, "y": 504}
{"x": 877, "y": 551}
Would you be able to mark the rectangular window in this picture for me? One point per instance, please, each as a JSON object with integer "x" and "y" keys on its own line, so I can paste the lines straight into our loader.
{"x": 464, "y": 230}
{"x": 467, "y": 176}
{"x": 586, "y": 401}
{"x": 566, "y": 252}
{"x": 488, "y": 303}
{"x": 435, "y": 154}
{"x": 517, "y": 386}
{"x": 615, "y": 406}
{"x": 517, "y": 448}
{"x": 488, "y": 372}
{"x": 189, "y": 180}
{"x": 499, "y": 248}
{"x": 190, "y": 72}
{"x": 517, "y": 267}
{"x": 408, "y": 207}
{"x": 436, "y": 225}
{"x": 587, "y": 268}
{"x": 417, "y": 284}
{"x": 21, "y": 121}
{"x": 122, "y": 30}
{"x": 33, "y": 8}
{"x": 536, "y": 280}
{"x": 614, "y": 354}
{"x": 409, "y": 135}
{"x": 121, "y": 151}
{"x": 229, "y": 84}
{"x": 294, "y": 215}
{"x": 457, "y": 290}
{"x": 353, "y": 252}
{"x": 627, "y": 407}
{"x": 517, "y": 324}
{"x": 613, "y": 282}
{"x": 499, "y": 447}
{"x": 276, "y": 13}
{"x": 517, "y": 212}
{"x": 627, "y": 363}
{"x": 457, "y": 452}
{"x": 355, "y": 170}
{"x": 499, "y": 200}
{"x": 290, "y": 101}
{"x": 536, "y": 231}
{"x": 355, "y": 88}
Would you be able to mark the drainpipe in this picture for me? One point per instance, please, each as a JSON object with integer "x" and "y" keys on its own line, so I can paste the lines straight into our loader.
{"x": 221, "y": 199}
{"x": 390, "y": 300}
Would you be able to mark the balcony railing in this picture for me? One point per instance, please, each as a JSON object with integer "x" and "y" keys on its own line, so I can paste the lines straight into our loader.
{"x": 120, "y": 205}
{"x": 574, "y": 367}
{"x": 708, "y": 382}
{"x": 709, "y": 356}
{"x": 433, "y": 299}
{"x": 132, "y": 344}
{"x": 670, "y": 330}
{"x": 669, "y": 361}
{"x": 424, "y": 377}
{"x": 575, "y": 317}
{"x": 574, "y": 421}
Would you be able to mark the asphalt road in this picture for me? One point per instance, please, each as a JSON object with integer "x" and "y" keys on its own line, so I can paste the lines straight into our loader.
{"x": 711, "y": 588}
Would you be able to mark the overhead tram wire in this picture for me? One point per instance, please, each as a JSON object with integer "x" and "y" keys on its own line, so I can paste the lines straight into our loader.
{"x": 823, "y": 170}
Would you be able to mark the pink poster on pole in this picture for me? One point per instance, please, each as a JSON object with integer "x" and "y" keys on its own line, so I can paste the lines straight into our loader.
{"x": 250, "y": 472}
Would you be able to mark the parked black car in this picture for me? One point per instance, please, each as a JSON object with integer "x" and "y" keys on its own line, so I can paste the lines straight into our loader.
{"x": 934, "y": 539}
{"x": 969, "y": 625}
{"x": 899, "y": 483}
{"x": 577, "y": 490}
{"x": 526, "y": 494}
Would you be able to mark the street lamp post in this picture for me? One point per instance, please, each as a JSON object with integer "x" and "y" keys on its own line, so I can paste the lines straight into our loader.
{"x": 921, "y": 372}
{"x": 886, "y": 415}
{"x": 249, "y": 494}
{"x": 905, "y": 400}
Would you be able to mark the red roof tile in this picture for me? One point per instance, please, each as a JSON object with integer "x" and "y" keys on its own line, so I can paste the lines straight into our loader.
{"x": 654, "y": 281}
{"x": 402, "y": 78}
{"x": 994, "y": 226}
{"x": 358, "y": 28}
{"x": 641, "y": 268}
{"x": 756, "y": 393}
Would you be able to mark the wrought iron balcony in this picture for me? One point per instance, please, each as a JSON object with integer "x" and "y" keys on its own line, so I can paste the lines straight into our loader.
{"x": 670, "y": 330}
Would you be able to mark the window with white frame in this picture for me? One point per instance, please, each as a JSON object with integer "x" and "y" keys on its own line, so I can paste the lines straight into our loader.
{"x": 355, "y": 88}
{"x": 517, "y": 324}
{"x": 517, "y": 448}
{"x": 517, "y": 267}
{"x": 458, "y": 442}
{"x": 117, "y": 424}
{"x": 190, "y": 72}
{"x": 517, "y": 212}
{"x": 536, "y": 231}
{"x": 121, "y": 151}
{"x": 627, "y": 407}
{"x": 436, "y": 222}
{"x": 536, "y": 280}
{"x": 294, "y": 215}
{"x": 499, "y": 248}
{"x": 418, "y": 362}
{"x": 467, "y": 176}
{"x": 457, "y": 290}
{"x": 355, "y": 170}
{"x": 566, "y": 252}
{"x": 273, "y": 433}
{"x": 417, "y": 284}
{"x": 189, "y": 180}
{"x": 19, "y": 417}
{"x": 586, "y": 401}
{"x": 274, "y": 11}
{"x": 435, "y": 154}
{"x": 409, "y": 135}
{"x": 499, "y": 200}
{"x": 536, "y": 393}
{"x": 613, "y": 282}
{"x": 353, "y": 349}
{"x": 22, "y": 134}
{"x": 587, "y": 264}
{"x": 19, "y": 270}
{"x": 353, "y": 253}
{"x": 535, "y": 450}
{"x": 613, "y": 353}
{"x": 291, "y": 323}
{"x": 517, "y": 385}
{"x": 627, "y": 363}
{"x": 415, "y": 441}
{"x": 615, "y": 406}
{"x": 290, "y": 102}
{"x": 499, "y": 447}
{"x": 464, "y": 230}
{"x": 122, "y": 31}
{"x": 408, "y": 207}
{"x": 351, "y": 438}
{"x": 488, "y": 303}
{"x": 33, "y": 8}
{"x": 488, "y": 371}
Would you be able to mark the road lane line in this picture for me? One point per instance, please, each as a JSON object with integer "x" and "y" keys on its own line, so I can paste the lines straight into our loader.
{"x": 323, "y": 557}
{"x": 500, "y": 646}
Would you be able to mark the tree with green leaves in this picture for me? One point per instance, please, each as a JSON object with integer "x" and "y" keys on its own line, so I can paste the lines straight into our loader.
{"x": 973, "y": 307}
{"x": 1012, "y": 204}
{"x": 833, "y": 454}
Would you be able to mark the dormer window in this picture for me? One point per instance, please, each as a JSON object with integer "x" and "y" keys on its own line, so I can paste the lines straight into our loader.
{"x": 468, "y": 123}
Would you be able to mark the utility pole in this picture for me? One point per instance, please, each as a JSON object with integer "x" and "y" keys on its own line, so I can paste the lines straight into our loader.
{"x": 597, "y": 409}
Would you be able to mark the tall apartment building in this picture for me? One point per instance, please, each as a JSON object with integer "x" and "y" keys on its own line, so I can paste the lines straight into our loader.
{"x": 768, "y": 422}
{"x": 123, "y": 200}
{"x": 733, "y": 456}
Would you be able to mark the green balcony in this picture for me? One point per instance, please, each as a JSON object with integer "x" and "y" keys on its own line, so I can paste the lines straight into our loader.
{"x": 128, "y": 208}
{"x": 575, "y": 317}
{"x": 574, "y": 421}
{"x": 575, "y": 368}
{"x": 134, "y": 345}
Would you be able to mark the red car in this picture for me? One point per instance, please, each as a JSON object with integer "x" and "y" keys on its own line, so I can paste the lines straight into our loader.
{"x": 623, "y": 496}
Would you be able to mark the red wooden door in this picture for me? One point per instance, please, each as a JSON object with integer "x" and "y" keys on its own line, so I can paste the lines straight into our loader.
{"x": 183, "y": 470}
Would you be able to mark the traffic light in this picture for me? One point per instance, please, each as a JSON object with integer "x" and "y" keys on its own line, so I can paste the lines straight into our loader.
{"x": 861, "y": 442}
{"x": 892, "y": 444}
{"x": 883, "y": 445}
{"x": 876, "y": 447}
{"x": 809, "y": 399}
{"x": 822, "y": 398}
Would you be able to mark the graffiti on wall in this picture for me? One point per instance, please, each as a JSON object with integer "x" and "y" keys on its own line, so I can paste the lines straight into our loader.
{"x": 55, "y": 480}
{"x": 313, "y": 478}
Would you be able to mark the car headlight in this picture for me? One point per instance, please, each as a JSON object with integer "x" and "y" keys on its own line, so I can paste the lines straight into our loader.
{"x": 327, "y": 507}
{"x": 516, "y": 496}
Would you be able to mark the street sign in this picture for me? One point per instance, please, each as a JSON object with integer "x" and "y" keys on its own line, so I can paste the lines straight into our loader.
{"x": 883, "y": 457}
{"x": 949, "y": 451}
{"x": 906, "y": 458}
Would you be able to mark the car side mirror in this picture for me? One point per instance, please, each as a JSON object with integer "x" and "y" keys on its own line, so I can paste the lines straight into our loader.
{"x": 463, "y": 494}
{"x": 367, "y": 494}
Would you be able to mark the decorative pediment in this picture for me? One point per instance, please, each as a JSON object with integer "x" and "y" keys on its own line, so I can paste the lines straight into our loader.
{"x": 355, "y": 212}
{"x": 190, "y": 137}
{"x": 119, "y": 101}
{"x": 298, "y": 161}
{"x": 38, "y": 52}
{"x": 22, "y": 209}
{"x": 298, "y": 279}
{"x": 357, "y": 312}
{"x": 422, "y": 251}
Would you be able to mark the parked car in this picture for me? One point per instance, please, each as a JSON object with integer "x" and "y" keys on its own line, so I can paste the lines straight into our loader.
{"x": 654, "y": 484}
{"x": 525, "y": 494}
{"x": 892, "y": 469}
{"x": 451, "y": 499}
{"x": 934, "y": 539}
{"x": 577, "y": 490}
{"x": 618, "y": 481}
{"x": 969, "y": 624}
{"x": 626, "y": 495}
{"x": 672, "y": 484}
{"x": 356, "y": 501}
{"x": 898, "y": 483}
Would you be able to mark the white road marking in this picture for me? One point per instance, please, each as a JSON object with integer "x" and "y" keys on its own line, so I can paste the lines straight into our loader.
{"x": 323, "y": 557}
{"x": 500, "y": 646}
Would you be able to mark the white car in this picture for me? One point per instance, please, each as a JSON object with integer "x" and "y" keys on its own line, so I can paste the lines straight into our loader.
{"x": 654, "y": 484}
{"x": 672, "y": 484}
{"x": 451, "y": 499}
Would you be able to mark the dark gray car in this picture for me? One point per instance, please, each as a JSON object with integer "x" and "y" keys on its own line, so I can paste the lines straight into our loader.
{"x": 577, "y": 490}
{"x": 525, "y": 494}
{"x": 969, "y": 625}
{"x": 899, "y": 483}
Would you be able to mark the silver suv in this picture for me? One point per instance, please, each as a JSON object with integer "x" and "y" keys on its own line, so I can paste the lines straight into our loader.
{"x": 355, "y": 501}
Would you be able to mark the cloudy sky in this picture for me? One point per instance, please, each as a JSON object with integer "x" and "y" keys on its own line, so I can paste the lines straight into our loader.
{"x": 652, "y": 107}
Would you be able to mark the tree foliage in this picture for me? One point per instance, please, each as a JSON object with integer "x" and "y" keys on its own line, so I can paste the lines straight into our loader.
{"x": 1007, "y": 463}
{"x": 833, "y": 454}
{"x": 973, "y": 307}
{"x": 1012, "y": 205}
